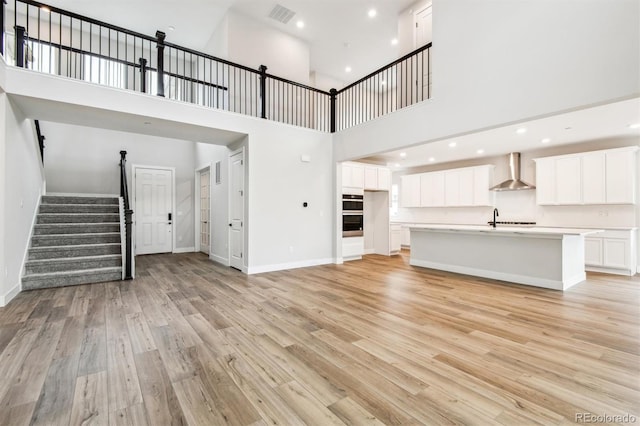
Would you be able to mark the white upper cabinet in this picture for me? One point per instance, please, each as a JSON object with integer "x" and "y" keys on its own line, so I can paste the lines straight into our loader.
{"x": 384, "y": 179}
{"x": 370, "y": 177}
{"x": 468, "y": 186}
{"x": 620, "y": 177}
{"x": 410, "y": 191}
{"x": 593, "y": 178}
{"x": 352, "y": 175}
{"x": 568, "y": 178}
{"x": 599, "y": 177}
{"x": 432, "y": 189}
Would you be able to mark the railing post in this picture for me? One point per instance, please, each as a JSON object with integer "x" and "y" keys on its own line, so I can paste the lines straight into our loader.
{"x": 143, "y": 75}
{"x": 334, "y": 94}
{"x": 263, "y": 91}
{"x": 2, "y": 3}
{"x": 21, "y": 38}
{"x": 128, "y": 217}
{"x": 160, "y": 36}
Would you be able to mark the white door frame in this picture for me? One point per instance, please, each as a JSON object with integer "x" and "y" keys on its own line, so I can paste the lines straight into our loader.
{"x": 174, "y": 215}
{"x": 244, "y": 209}
{"x": 196, "y": 227}
{"x": 415, "y": 21}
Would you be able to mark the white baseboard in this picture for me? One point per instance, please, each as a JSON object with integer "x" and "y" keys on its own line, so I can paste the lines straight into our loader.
{"x": 184, "y": 250}
{"x": 219, "y": 259}
{"x": 338, "y": 261}
{"x": 5, "y": 299}
{"x": 370, "y": 251}
{"x": 292, "y": 265}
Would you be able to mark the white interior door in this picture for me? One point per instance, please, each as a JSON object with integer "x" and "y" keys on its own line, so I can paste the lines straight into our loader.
{"x": 236, "y": 210}
{"x": 205, "y": 207}
{"x": 424, "y": 35}
{"x": 424, "y": 27}
{"x": 153, "y": 210}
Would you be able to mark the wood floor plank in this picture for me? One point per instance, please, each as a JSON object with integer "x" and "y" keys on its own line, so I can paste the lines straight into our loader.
{"x": 374, "y": 341}
{"x": 91, "y": 400}
{"x": 160, "y": 401}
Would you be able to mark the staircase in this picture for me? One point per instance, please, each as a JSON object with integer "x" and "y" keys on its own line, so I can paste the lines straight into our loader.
{"x": 76, "y": 240}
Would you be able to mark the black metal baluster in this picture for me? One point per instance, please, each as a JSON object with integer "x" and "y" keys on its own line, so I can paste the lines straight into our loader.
{"x": 2, "y": 12}
{"x": 160, "y": 36}
{"x": 143, "y": 75}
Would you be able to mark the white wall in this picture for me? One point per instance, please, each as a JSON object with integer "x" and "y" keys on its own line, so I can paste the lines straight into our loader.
{"x": 85, "y": 160}
{"x": 499, "y": 61}
{"x": 252, "y": 43}
{"x": 282, "y": 231}
{"x": 521, "y": 205}
{"x": 22, "y": 185}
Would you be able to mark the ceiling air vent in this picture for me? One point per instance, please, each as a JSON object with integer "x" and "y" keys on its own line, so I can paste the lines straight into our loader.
{"x": 281, "y": 14}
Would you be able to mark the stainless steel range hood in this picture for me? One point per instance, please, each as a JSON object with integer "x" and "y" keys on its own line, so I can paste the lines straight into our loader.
{"x": 513, "y": 183}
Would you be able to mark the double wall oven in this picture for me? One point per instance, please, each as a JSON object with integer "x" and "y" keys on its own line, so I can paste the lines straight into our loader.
{"x": 352, "y": 213}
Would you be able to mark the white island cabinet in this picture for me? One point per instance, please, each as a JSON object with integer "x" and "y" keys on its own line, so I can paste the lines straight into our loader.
{"x": 543, "y": 257}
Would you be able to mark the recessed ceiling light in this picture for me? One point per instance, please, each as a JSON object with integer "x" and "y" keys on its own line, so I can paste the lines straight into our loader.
{"x": 146, "y": 123}
{"x": 452, "y": 144}
{"x": 172, "y": 28}
{"x": 634, "y": 126}
{"x": 545, "y": 140}
{"x": 403, "y": 154}
{"x": 568, "y": 128}
{"x": 347, "y": 69}
{"x": 521, "y": 130}
{"x": 394, "y": 41}
{"x": 397, "y": 165}
{"x": 300, "y": 24}
{"x": 480, "y": 151}
{"x": 431, "y": 160}
{"x": 45, "y": 9}
{"x": 372, "y": 13}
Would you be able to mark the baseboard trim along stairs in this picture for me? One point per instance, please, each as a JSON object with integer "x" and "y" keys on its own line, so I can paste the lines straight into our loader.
{"x": 76, "y": 240}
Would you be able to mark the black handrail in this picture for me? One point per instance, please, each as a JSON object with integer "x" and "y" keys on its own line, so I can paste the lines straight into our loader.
{"x": 386, "y": 67}
{"x": 41, "y": 139}
{"x": 128, "y": 216}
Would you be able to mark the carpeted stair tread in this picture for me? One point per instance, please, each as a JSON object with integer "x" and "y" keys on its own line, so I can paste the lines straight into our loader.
{"x": 65, "y": 199}
{"x": 77, "y": 218}
{"x": 79, "y": 208}
{"x": 72, "y": 263}
{"x": 75, "y": 228}
{"x": 66, "y": 278}
{"x": 71, "y": 251}
{"x": 74, "y": 239}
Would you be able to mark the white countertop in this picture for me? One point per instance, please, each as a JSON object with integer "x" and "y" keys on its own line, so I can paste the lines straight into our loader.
{"x": 597, "y": 228}
{"x": 533, "y": 230}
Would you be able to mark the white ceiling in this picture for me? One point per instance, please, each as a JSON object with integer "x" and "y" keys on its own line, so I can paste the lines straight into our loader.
{"x": 597, "y": 123}
{"x": 338, "y": 32}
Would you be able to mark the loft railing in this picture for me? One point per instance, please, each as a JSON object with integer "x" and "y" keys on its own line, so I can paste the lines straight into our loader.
{"x": 403, "y": 82}
{"x": 51, "y": 40}
{"x": 128, "y": 218}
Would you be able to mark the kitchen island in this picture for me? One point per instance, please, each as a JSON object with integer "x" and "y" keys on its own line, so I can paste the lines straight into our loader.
{"x": 542, "y": 257}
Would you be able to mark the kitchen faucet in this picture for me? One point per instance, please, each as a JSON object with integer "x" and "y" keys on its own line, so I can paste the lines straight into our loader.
{"x": 495, "y": 213}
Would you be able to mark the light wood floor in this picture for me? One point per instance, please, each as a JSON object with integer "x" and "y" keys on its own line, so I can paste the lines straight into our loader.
{"x": 369, "y": 342}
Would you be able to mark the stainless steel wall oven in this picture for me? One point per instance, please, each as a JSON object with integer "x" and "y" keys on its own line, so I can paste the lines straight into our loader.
{"x": 352, "y": 215}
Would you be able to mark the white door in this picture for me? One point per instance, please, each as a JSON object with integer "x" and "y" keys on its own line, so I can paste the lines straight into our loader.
{"x": 205, "y": 228}
{"x": 153, "y": 210}
{"x": 236, "y": 210}
{"x": 423, "y": 35}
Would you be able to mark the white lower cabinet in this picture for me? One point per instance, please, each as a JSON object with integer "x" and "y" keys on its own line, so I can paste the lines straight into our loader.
{"x": 612, "y": 251}
{"x": 352, "y": 248}
{"x": 405, "y": 239}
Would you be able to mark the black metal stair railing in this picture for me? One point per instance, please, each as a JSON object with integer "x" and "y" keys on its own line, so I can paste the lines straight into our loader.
{"x": 51, "y": 40}
{"x": 128, "y": 217}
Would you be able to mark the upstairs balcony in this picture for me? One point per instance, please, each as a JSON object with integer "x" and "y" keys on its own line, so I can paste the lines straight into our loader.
{"x": 54, "y": 41}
